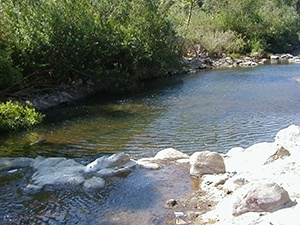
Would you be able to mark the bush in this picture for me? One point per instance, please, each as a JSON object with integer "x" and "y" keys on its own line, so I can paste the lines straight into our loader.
{"x": 219, "y": 42}
{"x": 114, "y": 43}
{"x": 265, "y": 25}
{"x": 14, "y": 116}
{"x": 250, "y": 25}
{"x": 8, "y": 74}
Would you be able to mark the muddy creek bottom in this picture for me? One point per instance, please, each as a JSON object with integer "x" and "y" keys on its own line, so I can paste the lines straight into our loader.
{"x": 138, "y": 198}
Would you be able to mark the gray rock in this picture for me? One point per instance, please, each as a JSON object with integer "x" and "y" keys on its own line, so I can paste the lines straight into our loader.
{"x": 32, "y": 189}
{"x": 148, "y": 164}
{"x": 109, "y": 172}
{"x": 107, "y": 162}
{"x": 206, "y": 163}
{"x": 94, "y": 183}
{"x": 274, "y": 57}
{"x": 260, "y": 198}
{"x": 170, "y": 154}
{"x": 61, "y": 172}
{"x": 69, "y": 177}
{"x": 56, "y": 171}
{"x": 286, "y": 56}
{"x": 9, "y": 163}
{"x": 248, "y": 64}
{"x": 171, "y": 204}
{"x": 56, "y": 164}
{"x": 281, "y": 153}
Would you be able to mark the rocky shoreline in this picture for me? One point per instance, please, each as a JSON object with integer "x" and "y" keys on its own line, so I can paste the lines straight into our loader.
{"x": 256, "y": 185}
{"x": 261, "y": 183}
{"x": 194, "y": 65}
{"x": 77, "y": 90}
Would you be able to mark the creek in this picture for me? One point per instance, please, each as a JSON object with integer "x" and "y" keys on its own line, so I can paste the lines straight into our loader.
{"x": 210, "y": 110}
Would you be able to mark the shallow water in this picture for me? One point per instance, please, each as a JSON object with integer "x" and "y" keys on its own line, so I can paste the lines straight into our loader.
{"x": 214, "y": 110}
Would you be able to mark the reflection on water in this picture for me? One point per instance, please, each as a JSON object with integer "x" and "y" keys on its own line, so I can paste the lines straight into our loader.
{"x": 213, "y": 110}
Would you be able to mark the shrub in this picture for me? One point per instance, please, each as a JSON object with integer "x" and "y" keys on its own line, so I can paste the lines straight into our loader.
{"x": 114, "y": 43}
{"x": 14, "y": 116}
{"x": 8, "y": 74}
{"x": 218, "y": 42}
{"x": 265, "y": 25}
{"x": 251, "y": 25}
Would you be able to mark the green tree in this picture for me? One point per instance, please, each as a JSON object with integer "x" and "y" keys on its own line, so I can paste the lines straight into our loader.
{"x": 114, "y": 43}
{"x": 264, "y": 26}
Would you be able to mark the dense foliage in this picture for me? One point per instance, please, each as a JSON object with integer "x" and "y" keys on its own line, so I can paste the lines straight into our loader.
{"x": 236, "y": 26}
{"x": 14, "y": 116}
{"x": 117, "y": 43}
{"x": 114, "y": 43}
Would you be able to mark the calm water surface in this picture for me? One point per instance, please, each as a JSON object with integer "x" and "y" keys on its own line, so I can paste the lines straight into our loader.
{"x": 214, "y": 110}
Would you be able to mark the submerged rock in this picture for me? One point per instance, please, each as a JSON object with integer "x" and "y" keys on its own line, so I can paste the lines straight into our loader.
{"x": 94, "y": 183}
{"x": 13, "y": 163}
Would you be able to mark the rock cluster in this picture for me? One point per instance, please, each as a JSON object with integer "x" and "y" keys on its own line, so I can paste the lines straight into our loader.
{"x": 284, "y": 58}
{"x": 261, "y": 184}
{"x": 59, "y": 172}
{"x": 193, "y": 65}
{"x": 256, "y": 185}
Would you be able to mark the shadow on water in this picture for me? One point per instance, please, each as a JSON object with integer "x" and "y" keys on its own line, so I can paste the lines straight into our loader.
{"x": 114, "y": 106}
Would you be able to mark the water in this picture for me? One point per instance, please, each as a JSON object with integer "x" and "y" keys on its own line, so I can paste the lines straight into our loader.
{"x": 214, "y": 110}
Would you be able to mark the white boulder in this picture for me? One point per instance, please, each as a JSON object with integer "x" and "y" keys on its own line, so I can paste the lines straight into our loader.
{"x": 289, "y": 138}
{"x": 249, "y": 159}
{"x": 260, "y": 197}
{"x": 107, "y": 162}
{"x": 170, "y": 154}
{"x": 148, "y": 163}
{"x": 206, "y": 162}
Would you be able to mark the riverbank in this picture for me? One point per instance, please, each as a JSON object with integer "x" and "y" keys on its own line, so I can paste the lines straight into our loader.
{"x": 261, "y": 184}
{"x": 194, "y": 65}
{"x": 256, "y": 185}
{"x": 78, "y": 90}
